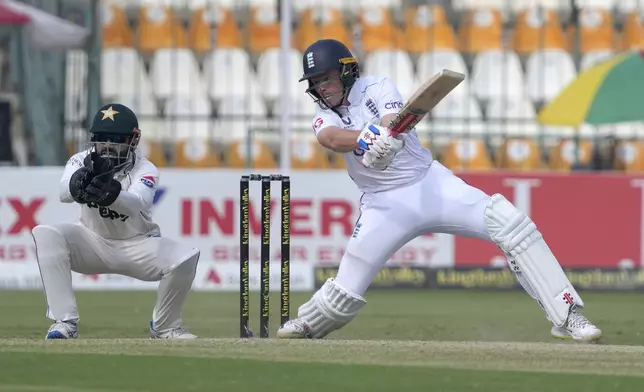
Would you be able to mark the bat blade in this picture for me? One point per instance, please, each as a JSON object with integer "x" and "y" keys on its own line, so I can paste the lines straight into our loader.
{"x": 424, "y": 100}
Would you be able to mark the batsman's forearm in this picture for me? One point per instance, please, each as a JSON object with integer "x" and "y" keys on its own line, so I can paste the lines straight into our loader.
{"x": 339, "y": 140}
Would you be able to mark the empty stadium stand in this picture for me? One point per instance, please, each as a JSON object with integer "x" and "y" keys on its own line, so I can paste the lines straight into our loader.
{"x": 204, "y": 75}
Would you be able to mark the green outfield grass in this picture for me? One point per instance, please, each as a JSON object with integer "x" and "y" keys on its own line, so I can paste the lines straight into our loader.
{"x": 403, "y": 341}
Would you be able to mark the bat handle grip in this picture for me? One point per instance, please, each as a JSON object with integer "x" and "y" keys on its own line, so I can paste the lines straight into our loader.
{"x": 394, "y": 133}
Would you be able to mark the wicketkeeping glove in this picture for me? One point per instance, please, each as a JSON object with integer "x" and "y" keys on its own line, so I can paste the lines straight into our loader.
{"x": 100, "y": 166}
{"x": 101, "y": 188}
{"x": 77, "y": 184}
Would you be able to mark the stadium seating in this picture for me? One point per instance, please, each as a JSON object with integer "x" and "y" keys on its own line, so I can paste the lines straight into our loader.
{"x": 153, "y": 151}
{"x": 537, "y": 29}
{"x": 519, "y": 154}
{"x": 320, "y": 21}
{"x": 427, "y": 28}
{"x": 548, "y": 71}
{"x": 205, "y": 75}
{"x": 497, "y": 74}
{"x": 308, "y": 154}
{"x": 195, "y": 152}
{"x": 123, "y": 72}
{"x": 378, "y": 30}
{"x": 481, "y": 30}
{"x": 511, "y": 117}
{"x": 159, "y": 28}
{"x": 244, "y": 153}
{"x": 175, "y": 72}
{"x": 629, "y": 156}
{"x": 116, "y": 30}
{"x": 263, "y": 28}
{"x": 595, "y": 30}
{"x": 202, "y": 37}
{"x": 571, "y": 152}
{"x": 395, "y": 65}
{"x": 466, "y": 154}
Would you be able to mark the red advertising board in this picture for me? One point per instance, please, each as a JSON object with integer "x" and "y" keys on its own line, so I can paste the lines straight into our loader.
{"x": 588, "y": 219}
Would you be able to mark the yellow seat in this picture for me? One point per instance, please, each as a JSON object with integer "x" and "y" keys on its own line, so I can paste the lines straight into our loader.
{"x": 481, "y": 30}
{"x": 263, "y": 29}
{"x": 261, "y": 157}
{"x": 195, "y": 152}
{"x": 633, "y": 36}
{"x": 519, "y": 154}
{"x": 153, "y": 152}
{"x": 568, "y": 153}
{"x": 538, "y": 29}
{"x": 427, "y": 28}
{"x": 629, "y": 156}
{"x": 213, "y": 27}
{"x": 596, "y": 31}
{"x": 320, "y": 23}
{"x": 308, "y": 154}
{"x": 116, "y": 30}
{"x": 159, "y": 28}
{"x": 379, "y": 31}
{"x": 470, "y": 154}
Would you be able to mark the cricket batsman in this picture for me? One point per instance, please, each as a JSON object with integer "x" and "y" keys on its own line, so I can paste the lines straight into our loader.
{"x": 406, "y": 193}
{"x": 114, "y": 186}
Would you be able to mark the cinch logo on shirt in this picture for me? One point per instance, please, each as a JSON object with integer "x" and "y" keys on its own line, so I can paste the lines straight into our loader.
{"x": 394, "y": 105}
{"x": 148, "y": 181}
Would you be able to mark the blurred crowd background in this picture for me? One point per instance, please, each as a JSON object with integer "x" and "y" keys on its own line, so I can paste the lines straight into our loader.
{"x": 203, "y": 77}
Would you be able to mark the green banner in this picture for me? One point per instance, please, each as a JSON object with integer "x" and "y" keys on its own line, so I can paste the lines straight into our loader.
{"x": 410, "y": 277}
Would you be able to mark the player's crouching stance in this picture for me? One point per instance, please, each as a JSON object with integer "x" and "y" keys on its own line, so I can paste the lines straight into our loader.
{"x": 408, "y": 194}
{"x": 115, "y": 235}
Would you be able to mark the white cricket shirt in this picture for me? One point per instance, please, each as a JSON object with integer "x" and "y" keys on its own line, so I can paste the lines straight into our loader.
{"x": 130, "y": 215}
{"x": 370, "y": 99}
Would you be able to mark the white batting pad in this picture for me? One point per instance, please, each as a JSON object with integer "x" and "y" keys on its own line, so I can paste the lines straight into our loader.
{"x": 517, "y": 236}
{"x": 330, "y": 308}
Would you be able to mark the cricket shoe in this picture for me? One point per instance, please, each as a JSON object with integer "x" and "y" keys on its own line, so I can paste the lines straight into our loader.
{"x": 577, "y": 327}
{"x": 294, "y": 329}
{"x": 172, "y": 333}
{"x": 62, "y": 330}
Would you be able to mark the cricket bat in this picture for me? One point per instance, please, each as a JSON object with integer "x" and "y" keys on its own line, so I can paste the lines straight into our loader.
{"x": 424, "y": 100}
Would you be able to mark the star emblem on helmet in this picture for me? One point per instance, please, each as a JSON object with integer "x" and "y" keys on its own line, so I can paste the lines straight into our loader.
{"x": 109, "y": 113}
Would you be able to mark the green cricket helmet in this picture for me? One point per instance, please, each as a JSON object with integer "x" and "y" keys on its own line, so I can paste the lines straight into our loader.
{"x": 115, "y": 135}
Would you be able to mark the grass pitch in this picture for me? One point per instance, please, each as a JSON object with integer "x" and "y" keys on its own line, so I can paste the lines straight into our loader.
{"x": 403, "y": 341}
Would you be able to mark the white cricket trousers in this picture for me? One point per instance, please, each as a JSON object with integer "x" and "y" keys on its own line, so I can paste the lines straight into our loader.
{"x": 67, "y": 247}
{"x": 438, "y": 203}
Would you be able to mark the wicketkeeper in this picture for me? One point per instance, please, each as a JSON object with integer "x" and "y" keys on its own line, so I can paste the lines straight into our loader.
{"x": 114, "y": 186}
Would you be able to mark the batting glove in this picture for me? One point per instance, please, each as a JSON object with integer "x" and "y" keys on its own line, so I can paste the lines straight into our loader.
{"x": 379, "y": 146}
